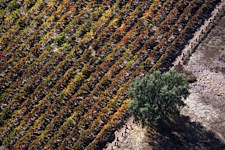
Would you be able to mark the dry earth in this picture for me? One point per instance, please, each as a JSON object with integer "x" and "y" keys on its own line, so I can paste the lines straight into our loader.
{"x": 206, "y": 103}
{"x": 130, "y": 137}
{"x": 204, "y": 128}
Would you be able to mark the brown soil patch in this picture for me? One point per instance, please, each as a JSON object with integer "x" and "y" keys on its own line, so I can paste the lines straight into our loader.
{"x": 207, "y": 100}
{"x": 202, "y": 125}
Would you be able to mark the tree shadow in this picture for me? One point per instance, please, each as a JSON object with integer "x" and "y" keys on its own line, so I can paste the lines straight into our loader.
{"x": 184, "y": 135}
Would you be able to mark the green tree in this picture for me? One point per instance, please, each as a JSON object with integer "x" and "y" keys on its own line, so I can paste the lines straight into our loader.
{"x": 157, "y": 97}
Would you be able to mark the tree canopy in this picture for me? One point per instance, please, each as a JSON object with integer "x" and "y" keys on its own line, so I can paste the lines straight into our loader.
{"x": 157, "y": 97}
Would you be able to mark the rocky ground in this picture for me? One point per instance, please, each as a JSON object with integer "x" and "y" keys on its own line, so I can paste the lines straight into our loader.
{"x": 203, "y": 123}
{"x": 206, "y": 103}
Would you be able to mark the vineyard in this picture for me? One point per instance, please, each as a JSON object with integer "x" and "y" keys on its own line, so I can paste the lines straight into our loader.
{"x": 66, "y": 65}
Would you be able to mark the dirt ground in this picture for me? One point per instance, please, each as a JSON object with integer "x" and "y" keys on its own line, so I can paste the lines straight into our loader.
{"x": 202, "y": 125}
{"x": 206, "y": 103}
{"x": 130, "y": 137}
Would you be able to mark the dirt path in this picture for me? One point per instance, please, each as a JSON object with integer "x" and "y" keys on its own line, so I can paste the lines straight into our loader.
{"x": 132, "y": 136}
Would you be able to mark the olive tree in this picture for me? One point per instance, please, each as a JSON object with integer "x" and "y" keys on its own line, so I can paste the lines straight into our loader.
{"x": 157, "y": 97}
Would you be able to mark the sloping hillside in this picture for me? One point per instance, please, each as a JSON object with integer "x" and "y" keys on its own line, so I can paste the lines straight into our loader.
{"x": 65, "y": 65}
